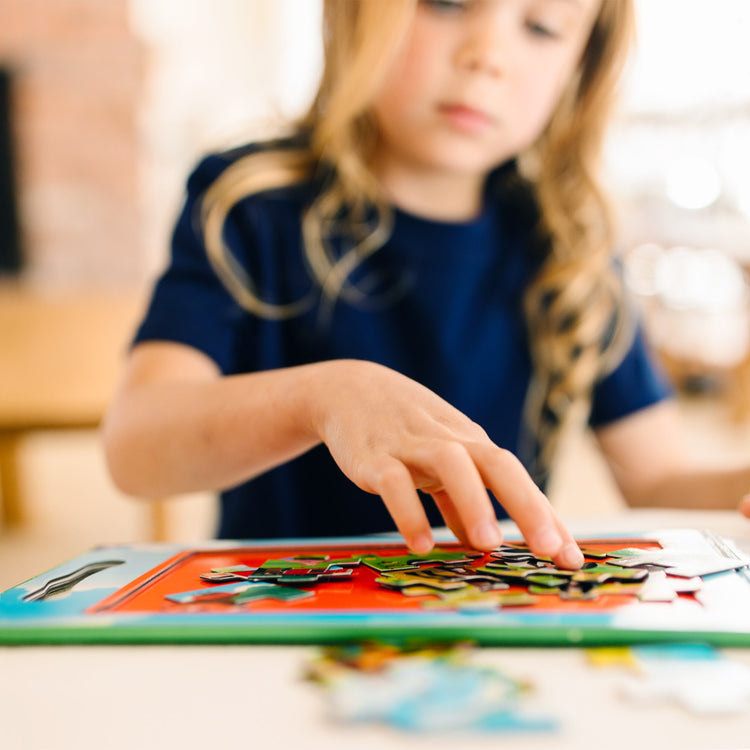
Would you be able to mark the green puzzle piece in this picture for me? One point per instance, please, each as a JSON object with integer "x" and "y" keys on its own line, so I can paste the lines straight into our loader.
{"x": 409, "y": 561}
{"x": 547, "y": 581}
{"x": 239, "y": 593}
{"x": 313, "y": 562}
{"x": 503, "y": 571}
{"x": 609, "y": 573}
{"x": 258, "y": 591}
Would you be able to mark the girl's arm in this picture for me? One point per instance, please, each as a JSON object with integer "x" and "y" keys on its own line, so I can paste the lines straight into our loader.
{"x": 651, "y": 464}
{"x": 177, "y": 425}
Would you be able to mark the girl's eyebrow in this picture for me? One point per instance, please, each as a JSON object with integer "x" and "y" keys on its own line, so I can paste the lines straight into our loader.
{"x": 577, "y": 3}
{"x": 578, "y": 6}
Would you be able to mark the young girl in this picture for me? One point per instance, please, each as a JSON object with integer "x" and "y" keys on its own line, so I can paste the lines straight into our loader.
{"x": 376, "y": 320}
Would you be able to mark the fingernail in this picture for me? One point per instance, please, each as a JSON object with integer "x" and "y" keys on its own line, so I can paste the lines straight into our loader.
{"x": 488, "y": 535}
{"x": 571, "y": 556}
{"x": 548, "y": 540}
{"x": 422, "y": 544}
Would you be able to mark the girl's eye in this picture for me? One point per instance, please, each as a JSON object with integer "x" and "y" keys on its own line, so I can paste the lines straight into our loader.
{"x": 542, "y": 30}
{"x": 446, "y": 6}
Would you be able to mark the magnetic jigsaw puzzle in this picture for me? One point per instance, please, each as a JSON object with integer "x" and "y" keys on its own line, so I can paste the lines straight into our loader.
{"x": 659, "y": 586}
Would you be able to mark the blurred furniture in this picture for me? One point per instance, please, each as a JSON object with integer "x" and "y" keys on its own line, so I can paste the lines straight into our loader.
{"x": 733, "y": 381}
{"x": 61, "y": 352}
{"x": 696, "y": 305}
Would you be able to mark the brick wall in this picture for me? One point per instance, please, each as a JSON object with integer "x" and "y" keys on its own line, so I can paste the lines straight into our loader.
{"x": 78, "y": 76}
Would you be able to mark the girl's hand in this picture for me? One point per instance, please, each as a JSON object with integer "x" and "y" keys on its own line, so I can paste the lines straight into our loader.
{"x": 391, "y": 436}
{"x": 745, "y": 506}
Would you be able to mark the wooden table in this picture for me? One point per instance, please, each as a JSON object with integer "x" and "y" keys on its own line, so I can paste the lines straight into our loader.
{"x": 60, "y": 354}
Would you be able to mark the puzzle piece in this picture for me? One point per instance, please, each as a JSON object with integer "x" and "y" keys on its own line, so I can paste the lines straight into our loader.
{"x": 258, "y": 591}
{"x": 322, "y": 562}
{"x": 540, "y": 580}
{"x": 239, "y": 593}
{"x": 679, "y": 563}
{"x": 228, "y": 574}
{"x": 428, "y": 580}
{"x": 698, "y": 677}
{"x": 659, "y": 587}
{"x": 579, "y": 592}
{"x": 409, "y": 561}
{"x": 279, "y": 575}
{"x": 602, "y": 573}
{"x": 300, "y": 575}
{"x": 519, "y": 558}
{"x": 511, "y": 573}
{"x": 615, "y": 588}
{"x": 612, "y": 656}
{"x": 402, "y": 580}
{"x": 424, "y": 690}
{"x": 472, "y": 599}
{"x": 587, "y": 552}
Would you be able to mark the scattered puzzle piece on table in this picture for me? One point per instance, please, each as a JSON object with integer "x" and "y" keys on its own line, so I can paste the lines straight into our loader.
{"x": 698, "y": 677}
{"x": 612, "y": 656}
{"x": 423, "y": 690}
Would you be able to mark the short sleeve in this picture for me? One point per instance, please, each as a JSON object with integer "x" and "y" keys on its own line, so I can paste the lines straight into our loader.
{"x": 189, "y": 304}
{"x": 636, "y": 383}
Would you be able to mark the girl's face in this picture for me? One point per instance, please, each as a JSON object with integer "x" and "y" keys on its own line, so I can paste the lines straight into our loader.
{"x": 473, "y": 85}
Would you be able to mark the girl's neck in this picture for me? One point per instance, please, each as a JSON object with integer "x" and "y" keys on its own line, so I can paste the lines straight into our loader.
{"x": 432, "y": 194}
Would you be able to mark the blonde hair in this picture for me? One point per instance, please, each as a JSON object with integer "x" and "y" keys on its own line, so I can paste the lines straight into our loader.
{"x": 575, "y": 299}
{"x": 360, "y": 39}
{"x": 575, "y": 307}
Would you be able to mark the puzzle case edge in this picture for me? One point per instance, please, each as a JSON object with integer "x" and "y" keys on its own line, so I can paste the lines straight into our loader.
{"x": 725, "y": 621}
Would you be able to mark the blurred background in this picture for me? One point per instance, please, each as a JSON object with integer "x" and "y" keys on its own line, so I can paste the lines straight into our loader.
{"x": 106, "y": 106}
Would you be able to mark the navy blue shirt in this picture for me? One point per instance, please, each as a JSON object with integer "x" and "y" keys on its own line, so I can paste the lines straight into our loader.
{"x": 454, "y": 324}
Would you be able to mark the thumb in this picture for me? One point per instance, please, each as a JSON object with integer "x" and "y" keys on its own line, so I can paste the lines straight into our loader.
{"x": 744, "y": 506}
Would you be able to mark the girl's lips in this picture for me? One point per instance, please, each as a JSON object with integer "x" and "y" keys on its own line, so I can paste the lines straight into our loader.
{"x": 464, "y": 118}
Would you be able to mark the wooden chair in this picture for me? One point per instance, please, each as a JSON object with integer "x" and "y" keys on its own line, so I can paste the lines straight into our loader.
{"x": 59, "y": 358}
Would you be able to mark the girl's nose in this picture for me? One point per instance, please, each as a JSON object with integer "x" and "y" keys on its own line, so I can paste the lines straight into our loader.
{"x": 484, "y": 47}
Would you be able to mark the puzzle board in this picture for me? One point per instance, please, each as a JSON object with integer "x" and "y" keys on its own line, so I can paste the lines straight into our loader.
{"x": 659, "y": 586}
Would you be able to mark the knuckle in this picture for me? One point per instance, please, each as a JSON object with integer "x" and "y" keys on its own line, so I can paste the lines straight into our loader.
{"x": 479, "y": 434}
{"x": 388, "y": 477}
{"x": 505, "y": 457}
{"x": 449, "y": 452}
{"x": 493, "y": 454}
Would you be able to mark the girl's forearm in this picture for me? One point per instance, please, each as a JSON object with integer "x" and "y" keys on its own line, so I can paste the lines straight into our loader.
{"x": 697, "y": 490}
{"x": 167, "y": 438}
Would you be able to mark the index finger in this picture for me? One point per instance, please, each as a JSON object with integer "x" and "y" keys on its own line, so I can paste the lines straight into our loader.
{"x": 526, "y": 504}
